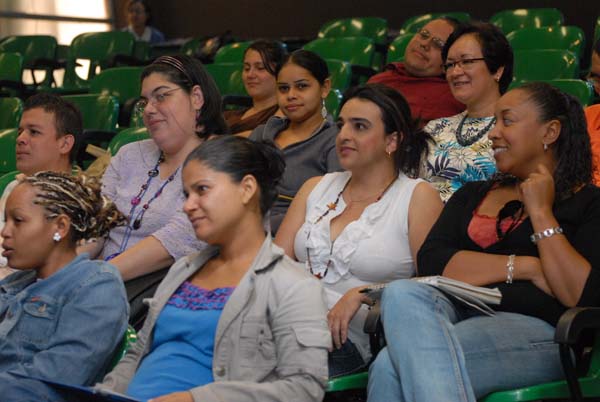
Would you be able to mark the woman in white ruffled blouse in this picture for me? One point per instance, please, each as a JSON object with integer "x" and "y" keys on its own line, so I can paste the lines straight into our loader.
{"x": 366, "y": 224}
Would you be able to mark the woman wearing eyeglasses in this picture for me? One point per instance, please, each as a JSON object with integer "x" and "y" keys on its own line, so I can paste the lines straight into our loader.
{"x": 531, "y": 231}
{"x": 478, "y": 63}
{"x": 181, "y": 108}
{"x": 363, "y": 226}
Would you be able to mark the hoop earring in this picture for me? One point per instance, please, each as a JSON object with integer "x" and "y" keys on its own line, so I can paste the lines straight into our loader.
{"x": 56, "y": 237}
{"x": 323, "y": 109}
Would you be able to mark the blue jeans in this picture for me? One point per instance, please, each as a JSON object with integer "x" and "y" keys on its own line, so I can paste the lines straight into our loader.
{"x": 441, "y": 351}
{"x": 345, "y": 360}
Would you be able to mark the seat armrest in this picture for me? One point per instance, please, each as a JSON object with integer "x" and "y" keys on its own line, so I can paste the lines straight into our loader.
{"x": 574, "y": 321}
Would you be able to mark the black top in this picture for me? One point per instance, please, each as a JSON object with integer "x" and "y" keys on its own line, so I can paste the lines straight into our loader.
{"x": 578, "y": 215}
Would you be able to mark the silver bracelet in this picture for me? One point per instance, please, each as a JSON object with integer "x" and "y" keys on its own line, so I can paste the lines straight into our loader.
{"x": 545, "y": 234}
{"x": 510, "y": 268}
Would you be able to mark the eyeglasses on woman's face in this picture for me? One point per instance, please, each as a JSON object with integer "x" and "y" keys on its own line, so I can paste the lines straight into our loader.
{"x": 155, "y": 100}
{"x": 463, "y": 64}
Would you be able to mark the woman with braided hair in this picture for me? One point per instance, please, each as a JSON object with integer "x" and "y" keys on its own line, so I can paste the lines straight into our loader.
{"x": 61, "y": 315}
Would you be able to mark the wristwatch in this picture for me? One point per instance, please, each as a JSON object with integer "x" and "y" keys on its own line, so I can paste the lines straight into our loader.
{"x": 545, "y": 234}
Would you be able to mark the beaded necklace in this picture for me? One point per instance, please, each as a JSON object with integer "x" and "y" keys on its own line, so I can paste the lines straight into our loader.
{"x": 331, "y": 207}
{"x": 136, "y": 218}
{"x": 466, "y": 140}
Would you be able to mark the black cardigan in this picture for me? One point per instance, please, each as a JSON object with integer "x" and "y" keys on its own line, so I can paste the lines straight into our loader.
{"x": 578, "y": 215}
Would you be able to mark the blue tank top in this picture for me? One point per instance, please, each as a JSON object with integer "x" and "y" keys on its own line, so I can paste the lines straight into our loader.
{"x": 181, "y": 354}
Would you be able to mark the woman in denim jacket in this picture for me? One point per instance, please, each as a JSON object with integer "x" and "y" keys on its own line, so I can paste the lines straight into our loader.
{"x": 61, "y": 316}
{"x": 239, "y": 320}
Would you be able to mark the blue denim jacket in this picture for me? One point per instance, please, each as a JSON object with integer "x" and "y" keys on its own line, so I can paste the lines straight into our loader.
{"x": 65, "y": 327}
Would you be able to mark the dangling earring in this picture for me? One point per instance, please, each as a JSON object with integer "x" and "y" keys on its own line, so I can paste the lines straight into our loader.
{"x": 323, "y": 109}
{"x": 389, "y": 154}
{"x": 545, "y": 147}
{"x": 56, "y": 237}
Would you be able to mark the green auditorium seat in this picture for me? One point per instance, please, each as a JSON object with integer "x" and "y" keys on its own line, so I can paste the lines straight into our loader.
{"x": 190, "y": 47}
{"x": 228, "y": 77}
{"x": 11, "y": 72}
{"x": 10, "y": 112}
{"x": 232, "y": 53}
{"x": 511, "y": 20}
{"x": 100, "y": 114}
{"x": 582, "y": 90}
{"x": 6, "y": 178}
{"x": 358, "y": 51}
{"x": 332, "y": 102}
{"x": 101, "y": 49}
{"x": 397, "y": 48}
{"x": 340, "y": 73}
{"x": 124, "y": 84}
{"x": 141, "y": 51}
{"x": 121, "y": 82}
{"x": 8, "y": 142}
{"x": 414, "y": 24}
{"x": 370, "y": 27}
{"x": 565, "y": 37}
{"x": 545, "y": 64}
{"x": 38, "y": 51}
{"x": 126, "y": 136}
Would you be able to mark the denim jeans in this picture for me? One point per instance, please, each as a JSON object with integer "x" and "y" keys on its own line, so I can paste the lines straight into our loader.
{"x": 345, "y": 360}
{"x": 441, "y": 351}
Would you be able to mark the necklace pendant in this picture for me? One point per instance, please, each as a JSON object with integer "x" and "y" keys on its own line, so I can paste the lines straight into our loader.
{"x": 135, "y": 201}
{"x": 318, "y": 276}
{"x": 137, "y": 223}
{"x": 332, "y": 206}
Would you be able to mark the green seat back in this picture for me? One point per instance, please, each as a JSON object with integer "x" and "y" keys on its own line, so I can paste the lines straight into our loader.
{"x": 397, "y": 48}
{"x": 190, "y": 47}
{"x": 11, "y": 66}
{"x": 121, "y": 82}
{"x": 511, "y": 20}
{"x": 228, "y": 77}
{"x": 357, "y": 50}
{"x": 129, "y": 338}
{"x": 582, "y": 90}
{"x": 232, "y": 53}
{"x": 370, "y": 27}
{"x": 99, "y": 112}
{"x": 141, "y": 50}
{"x": 414, "y": 24}
{"x": 8, "y": 143}
{"x": 31, "y": 47}
{"x": 99, "y": 48}
{"x": 565, "y": 37}
{"x": 126, "y": 136}
{"x": 7, "y": 178}
{"x": 546, "y": 64}
{"x": 332, "y": 102}
{"x": 11, "y": 110}
{"x": 340, "y": 74}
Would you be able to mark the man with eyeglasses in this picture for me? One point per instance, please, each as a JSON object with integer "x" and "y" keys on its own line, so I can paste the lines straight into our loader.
{"x": 420, "y": 77}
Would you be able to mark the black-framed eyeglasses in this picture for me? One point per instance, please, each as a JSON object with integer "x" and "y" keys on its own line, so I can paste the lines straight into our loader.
{"x": 437, "y": 42}
{"x": 464, "y": 64}
{"x": 513, "y": 209}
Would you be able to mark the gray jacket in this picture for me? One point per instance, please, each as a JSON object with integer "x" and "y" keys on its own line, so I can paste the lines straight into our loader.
{"x": 272, "y": 337}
